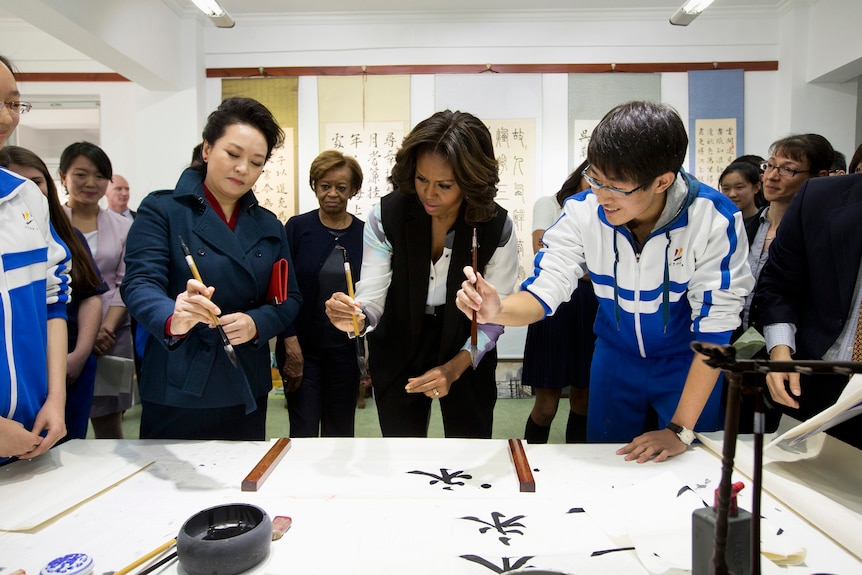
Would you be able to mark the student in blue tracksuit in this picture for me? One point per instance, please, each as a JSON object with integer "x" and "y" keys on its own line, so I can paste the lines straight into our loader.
{"x": 34, "y": 290}
{"x": 667, "y": 256}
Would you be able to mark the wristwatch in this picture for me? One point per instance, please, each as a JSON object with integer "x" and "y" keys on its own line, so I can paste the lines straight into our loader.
{"x": 685, "y": 434}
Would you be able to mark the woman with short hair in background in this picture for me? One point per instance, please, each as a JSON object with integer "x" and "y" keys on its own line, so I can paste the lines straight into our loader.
{"x": 319, "y": 362}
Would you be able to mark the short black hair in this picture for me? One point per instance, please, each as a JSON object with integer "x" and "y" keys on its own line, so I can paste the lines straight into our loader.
{"x": 839, "y": 162}
{"x": 752, "y": 175}
{"x": 242, "y": 111}
{"x": 751, "y": 159}
{"x": 573, "y": 184}
{"x": 90, "y": 151}
{"x": 638, "y": 142}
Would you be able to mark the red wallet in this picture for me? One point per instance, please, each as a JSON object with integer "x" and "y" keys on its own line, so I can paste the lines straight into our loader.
{"x": 277, "y": 290}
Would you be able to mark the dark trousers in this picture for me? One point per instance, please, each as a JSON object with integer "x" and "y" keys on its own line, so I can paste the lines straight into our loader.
{"x": 468, "y": 409}
{"x": 79, "y": 399}
{"x": 231, "y": 423}
{"x": 325, "y": 403}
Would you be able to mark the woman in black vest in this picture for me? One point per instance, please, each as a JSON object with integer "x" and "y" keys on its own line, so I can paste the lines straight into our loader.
{"x": 417, "y": 240}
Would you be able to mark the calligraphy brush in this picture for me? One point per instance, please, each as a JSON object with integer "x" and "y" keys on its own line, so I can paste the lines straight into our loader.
{"x": 360, "y": 345}
{"x": 228, "y": 348}
{"x": 474, "y": 327}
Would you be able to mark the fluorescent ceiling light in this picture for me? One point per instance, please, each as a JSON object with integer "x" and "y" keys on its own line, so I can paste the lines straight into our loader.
{"x": 216, "y": 13}
{"x": 688, "y": 12}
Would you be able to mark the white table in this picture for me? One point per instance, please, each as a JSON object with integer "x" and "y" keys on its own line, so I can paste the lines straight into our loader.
{"x": 358, "y": 509}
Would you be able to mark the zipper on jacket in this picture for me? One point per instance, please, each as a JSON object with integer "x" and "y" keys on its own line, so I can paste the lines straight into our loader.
{"x": 638, "y": 333}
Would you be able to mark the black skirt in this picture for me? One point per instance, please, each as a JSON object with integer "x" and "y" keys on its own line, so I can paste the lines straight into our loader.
{"x": 559, "y": 349}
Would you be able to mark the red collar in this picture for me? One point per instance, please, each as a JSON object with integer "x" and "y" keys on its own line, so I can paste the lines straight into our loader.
{"x": 211, "y": 199}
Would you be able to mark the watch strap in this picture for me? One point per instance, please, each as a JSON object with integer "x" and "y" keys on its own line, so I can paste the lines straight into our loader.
{"x": 674, "y": 427}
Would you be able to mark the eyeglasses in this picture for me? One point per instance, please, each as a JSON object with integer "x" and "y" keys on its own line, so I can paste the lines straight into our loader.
{"x": 597, "y": 186}
{"x": 782, "y": 171}
{"x": 17, "y": 107}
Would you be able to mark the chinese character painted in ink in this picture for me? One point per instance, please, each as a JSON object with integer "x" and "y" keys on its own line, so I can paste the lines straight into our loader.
{"x": 503, "y": 527}
{"x": 445, "y": 477}
{"x": 507, "y": 563}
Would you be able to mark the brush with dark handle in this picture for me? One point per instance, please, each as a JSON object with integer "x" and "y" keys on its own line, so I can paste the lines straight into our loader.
{"x": 474, "y": 327}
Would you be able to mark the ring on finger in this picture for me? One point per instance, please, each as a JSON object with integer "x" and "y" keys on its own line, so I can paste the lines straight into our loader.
{"x": 436, "y": 393}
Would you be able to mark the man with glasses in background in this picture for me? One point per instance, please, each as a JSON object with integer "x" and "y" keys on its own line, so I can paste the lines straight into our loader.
{"x": 667, "y": 256}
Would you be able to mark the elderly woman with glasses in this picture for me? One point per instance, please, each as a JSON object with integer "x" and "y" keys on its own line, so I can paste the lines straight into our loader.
{"x": 667, "y": 256}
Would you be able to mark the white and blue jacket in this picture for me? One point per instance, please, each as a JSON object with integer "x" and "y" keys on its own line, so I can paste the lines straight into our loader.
{"x": 34, "y": 287}
{"x": 687, "y": 282}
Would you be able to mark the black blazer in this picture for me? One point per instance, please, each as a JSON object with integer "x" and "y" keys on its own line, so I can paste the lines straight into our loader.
{"x": 809, "y": 281}
{"x": 810, "y": 276}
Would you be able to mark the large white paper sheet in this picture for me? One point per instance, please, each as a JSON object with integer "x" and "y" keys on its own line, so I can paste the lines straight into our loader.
{"x": 62, "y": 478}
{"x": 848, "y": 405}
{"x": 382, "y": 519}
{"x": 818, "y": 479}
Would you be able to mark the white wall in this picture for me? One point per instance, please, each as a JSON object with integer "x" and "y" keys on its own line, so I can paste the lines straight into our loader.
{"x": 149, "y": 132}
{"x": 150, "y": 126}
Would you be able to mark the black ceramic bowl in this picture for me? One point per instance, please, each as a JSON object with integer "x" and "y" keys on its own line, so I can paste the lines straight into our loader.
{"x": 224, "y": 540}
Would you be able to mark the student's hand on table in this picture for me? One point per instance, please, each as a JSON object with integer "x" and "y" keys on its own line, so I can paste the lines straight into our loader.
{"x": 479, "y": 295}
{"x": 780, "y": 382}
{"x": 239, "y": 327}
{"x": 192, "y": 307}
{"x": 291, "y": 371}
{"x": 655, "y": 445}
{"x": 340, "y": 309}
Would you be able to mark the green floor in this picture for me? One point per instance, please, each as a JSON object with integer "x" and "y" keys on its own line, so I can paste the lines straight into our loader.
{"x": 510, "y": 415}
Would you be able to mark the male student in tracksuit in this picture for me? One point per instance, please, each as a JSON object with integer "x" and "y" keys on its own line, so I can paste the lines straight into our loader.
{"x": 668, "y": 259}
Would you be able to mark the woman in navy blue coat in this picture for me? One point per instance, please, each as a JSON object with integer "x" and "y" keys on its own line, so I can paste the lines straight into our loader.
{"x": 321, "y": 374}
{"x": 189, "y": 387}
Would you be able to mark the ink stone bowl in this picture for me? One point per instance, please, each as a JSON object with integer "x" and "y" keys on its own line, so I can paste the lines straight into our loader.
{"x": 224, "y": 540}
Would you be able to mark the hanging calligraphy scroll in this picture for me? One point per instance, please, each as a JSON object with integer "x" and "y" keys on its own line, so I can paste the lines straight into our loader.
{"x": 715, "y": 148}
{"x": 373, "y": 144}
{"x": 515, "y": 148}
